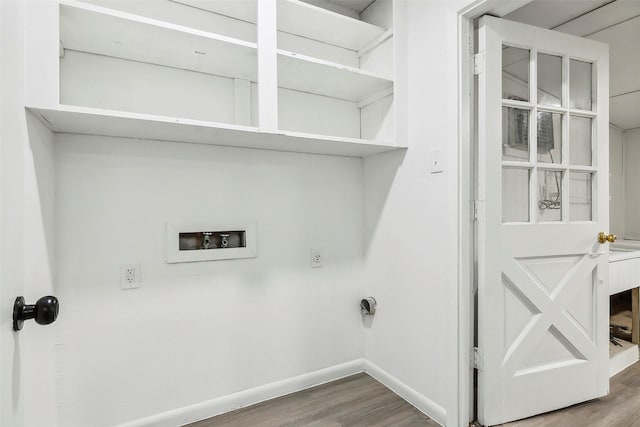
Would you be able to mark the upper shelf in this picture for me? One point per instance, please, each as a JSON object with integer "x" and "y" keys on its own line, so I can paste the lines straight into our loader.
{"x": 94, "y": 121}
{"x": 103, "y": 31}
{"x": 313, "y": 75}
{"x": 295, "y": 16}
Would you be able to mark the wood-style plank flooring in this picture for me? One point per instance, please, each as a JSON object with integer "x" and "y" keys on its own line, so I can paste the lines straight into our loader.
{"x": 361, "y": 401}
{"x": 621, "y": 408}
{"x": 357, "y": 401}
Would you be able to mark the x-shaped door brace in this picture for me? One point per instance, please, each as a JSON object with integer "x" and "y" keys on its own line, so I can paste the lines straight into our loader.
{"x": 550, "y": 314}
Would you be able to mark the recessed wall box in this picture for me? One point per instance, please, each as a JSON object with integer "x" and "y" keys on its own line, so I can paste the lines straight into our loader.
{"x": 210, "y": 242}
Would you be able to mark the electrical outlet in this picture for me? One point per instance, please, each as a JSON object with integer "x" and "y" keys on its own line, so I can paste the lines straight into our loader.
{"x": 129, "y": 276}
{"x": 317, "y": 258}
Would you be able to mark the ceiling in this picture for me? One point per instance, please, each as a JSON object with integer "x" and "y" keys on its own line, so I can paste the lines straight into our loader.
{"x": 616, "y": 23}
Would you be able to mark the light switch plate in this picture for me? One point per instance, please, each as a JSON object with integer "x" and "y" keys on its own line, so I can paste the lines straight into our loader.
{"x": 436, "y": 160}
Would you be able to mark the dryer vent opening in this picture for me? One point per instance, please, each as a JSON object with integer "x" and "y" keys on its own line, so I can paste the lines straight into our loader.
{"x": 368, "y": 306}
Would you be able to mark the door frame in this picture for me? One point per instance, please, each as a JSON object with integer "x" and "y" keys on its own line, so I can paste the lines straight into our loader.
{"x": 466, "y": 184}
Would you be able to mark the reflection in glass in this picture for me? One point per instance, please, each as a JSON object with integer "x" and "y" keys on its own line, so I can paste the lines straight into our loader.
{"x": 580, "y": 85}
{"x": 549, "y": 80}
{"x": 549, "y": 137}
{"x": 515, "y": 195}
{"x": 580, "y": 138}
{"x": 515, "y": 134}
{"x": 580, "y": 196}
{"x": 549, "y": 195}
{"x": 515, "y": 73}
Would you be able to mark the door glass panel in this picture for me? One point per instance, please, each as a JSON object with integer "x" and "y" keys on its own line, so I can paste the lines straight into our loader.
{"x": 515, "y": 134}
{"x": 581, "y": 200}
{"x": 549, "y": 137}
{"x": 580, "y": 138}
{"x": 549, "y": 195}
{"x": 515, "y": 195}
{"x": 549, "y": 79}
{"x": 515, "y": 73}
{"x": 580, "y": 85}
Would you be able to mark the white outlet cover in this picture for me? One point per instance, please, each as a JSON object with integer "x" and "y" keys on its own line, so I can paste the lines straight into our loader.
{"x": 125, "y": 280}
{"x": 317, "y": 258}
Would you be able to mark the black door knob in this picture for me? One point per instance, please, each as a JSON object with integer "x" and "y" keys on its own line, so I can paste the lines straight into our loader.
{"x": 44, "y": 311}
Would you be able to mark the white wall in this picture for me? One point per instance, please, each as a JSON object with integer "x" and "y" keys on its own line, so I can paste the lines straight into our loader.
{"x": 197, "y": 331}
{"x": 411, "y": 220}
{"x": 27, "y": 359}
{"x": 616, "y": 182}
{"x": 631, "y": 143}
{"x": 194, "y": 332}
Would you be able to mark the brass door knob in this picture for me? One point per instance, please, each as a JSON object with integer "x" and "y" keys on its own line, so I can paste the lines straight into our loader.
{"x": 604, "y": 237}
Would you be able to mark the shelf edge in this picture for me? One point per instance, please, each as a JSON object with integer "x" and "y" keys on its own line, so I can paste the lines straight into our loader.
{"x": 156, "y": 23}
{"x": 164, "y": 128}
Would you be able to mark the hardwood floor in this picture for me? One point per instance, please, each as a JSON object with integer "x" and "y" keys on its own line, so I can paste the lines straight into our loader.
{"x": 361, "y": 401}
{"x": 621, "y": 408}
{"x": 358, "y": 400}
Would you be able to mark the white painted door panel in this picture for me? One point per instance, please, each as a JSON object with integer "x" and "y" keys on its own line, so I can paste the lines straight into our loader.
{"x": 543, "y": 198}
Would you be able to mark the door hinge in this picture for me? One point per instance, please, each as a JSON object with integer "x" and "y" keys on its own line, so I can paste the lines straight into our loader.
{"x": 479, "y": 61}
{"x": 475, "y": 424}
{"x": 477, "y": 207}
{"x": 477, "y": 359}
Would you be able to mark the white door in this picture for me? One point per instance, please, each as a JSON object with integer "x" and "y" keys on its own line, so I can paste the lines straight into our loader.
{"x": 542, "y": 198}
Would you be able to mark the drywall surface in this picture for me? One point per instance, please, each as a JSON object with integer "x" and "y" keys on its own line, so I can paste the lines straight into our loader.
{"x": 631, "y": 143}
{"x": 616, "y": 182}
{"x": 27, "y": 362}
{"x": 197, "y": 331}
{"x": 411, "y": 217}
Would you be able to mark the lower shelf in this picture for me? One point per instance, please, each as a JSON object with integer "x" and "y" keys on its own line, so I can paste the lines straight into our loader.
{"x": 94, "y": 121}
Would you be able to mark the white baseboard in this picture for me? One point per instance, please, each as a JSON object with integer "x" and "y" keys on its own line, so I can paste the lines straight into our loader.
{"x": 622, "y": 360}
{"x": 210, "y": 408}
{"x": 422, "y": 403}
{"x": 220, "y": 405}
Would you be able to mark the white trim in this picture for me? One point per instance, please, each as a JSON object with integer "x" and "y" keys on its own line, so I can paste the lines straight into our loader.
{"x": 420, "y": 402}
{"x": 210, "y": 408}
{"x": 267, "y": 67}
{"x": 231, "y": 402}
{"x": 508, "y": 6}
{"x": 622, "y": 360}
{"x": 463, "y": 394}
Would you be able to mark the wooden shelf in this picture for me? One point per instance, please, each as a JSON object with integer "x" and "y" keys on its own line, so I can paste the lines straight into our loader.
{"x": 295, "y": 16}
{"x": 93, "y": 121}
{"x": 326, "y": 78}
{"x": 98, "y": 30}
{"x": 243, "y": 10}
